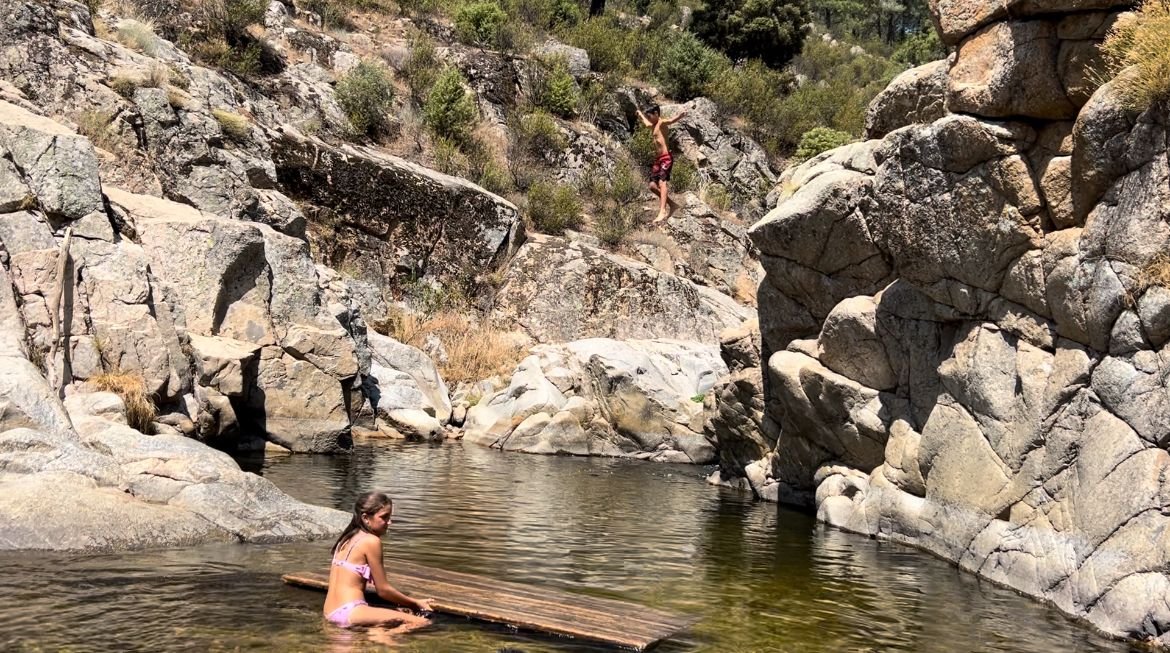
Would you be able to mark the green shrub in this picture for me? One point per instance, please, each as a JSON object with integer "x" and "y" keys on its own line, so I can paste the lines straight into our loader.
{"x": 684, "y": 176}
{"x": 333, "y": 14}
{"x": 614, "y": 223}
{"x": 717, "y": 197}
{"x": 555, "y": 90}
{"x": 625, "y": 184}
{"x": 605, "y": 41}
{"x": 450, "y": 110}
{"x": 595, "y": 96}
{"x": 418, "y": 8}
{"x": 924, "y": 47}
{"x": 545, "y": 14}
{"x": 479, "y": 23}
{"x": 422, "y": 67}
{"x": 495, "y": 178}
{"x": 688, "y": 66}
{"x": 642, "y": 148}
{"x": 820, "y": 139}
{"x": 448, "y": 159}
{"x": 770, "y": 30}
{"x": 553, "y": 207}
{"x": 365, "y": 94}
{"x": 537, "y": 133}
{"x": 1138, "y": 42}
{"x": 223, "y": 39}
{"x": 234, "y": 126}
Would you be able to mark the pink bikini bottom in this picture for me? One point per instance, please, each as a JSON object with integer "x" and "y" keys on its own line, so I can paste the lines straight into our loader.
{"x": 340, "y": 616}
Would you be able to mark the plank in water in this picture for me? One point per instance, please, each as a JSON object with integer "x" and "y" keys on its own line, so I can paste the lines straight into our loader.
{"x": 529, "y": 607}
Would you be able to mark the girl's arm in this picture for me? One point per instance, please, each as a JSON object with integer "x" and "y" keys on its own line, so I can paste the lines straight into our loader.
{"x": 384, "y": 589}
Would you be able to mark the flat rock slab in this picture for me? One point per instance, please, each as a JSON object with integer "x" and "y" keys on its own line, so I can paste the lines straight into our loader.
{"x": 541, "y": 609}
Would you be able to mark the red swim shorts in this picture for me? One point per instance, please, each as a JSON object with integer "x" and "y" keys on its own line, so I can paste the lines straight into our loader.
{"x": 660, "y": 171}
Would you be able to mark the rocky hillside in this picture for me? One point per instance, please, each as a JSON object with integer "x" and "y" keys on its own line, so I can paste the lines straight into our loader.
{"x": 964, "y": 321}
{"x": 193, "y": 254}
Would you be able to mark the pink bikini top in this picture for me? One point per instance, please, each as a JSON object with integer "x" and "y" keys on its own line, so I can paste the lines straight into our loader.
{"x": 360, "y": 570}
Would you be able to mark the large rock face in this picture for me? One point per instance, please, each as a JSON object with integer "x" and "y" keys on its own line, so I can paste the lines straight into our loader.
{"x": 963, "y": 328}
{"x": 603, "y": 397}
{"x": 558, "y": 290}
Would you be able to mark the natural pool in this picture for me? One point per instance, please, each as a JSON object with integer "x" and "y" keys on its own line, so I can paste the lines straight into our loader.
{"x": 761, "y": 578}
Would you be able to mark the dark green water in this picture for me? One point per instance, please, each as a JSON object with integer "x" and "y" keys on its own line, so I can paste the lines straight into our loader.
{"x": 760, "y": 578}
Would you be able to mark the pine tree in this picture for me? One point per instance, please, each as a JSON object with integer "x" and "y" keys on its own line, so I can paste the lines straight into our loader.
{"x": 770, "y": 30}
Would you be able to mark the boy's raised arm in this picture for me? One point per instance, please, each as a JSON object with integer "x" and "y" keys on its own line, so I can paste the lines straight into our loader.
{"x": 676, "y": 118}
{"x": 644, "y": 119}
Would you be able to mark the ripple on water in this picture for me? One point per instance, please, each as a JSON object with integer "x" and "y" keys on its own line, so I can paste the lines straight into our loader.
{"x": 761, "y": 578}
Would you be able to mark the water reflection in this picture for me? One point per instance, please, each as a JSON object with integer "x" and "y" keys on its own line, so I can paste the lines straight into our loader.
{"x": 760, "y": 577}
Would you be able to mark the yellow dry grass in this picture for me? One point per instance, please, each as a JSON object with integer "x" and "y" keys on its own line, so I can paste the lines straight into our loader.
{"x": 234, "y": 126}
{"x": 131, "y": 387}
{"x": 1156, "y": 272}
{"x": 1137, "y": 44}
{"x": 475, "y": 351}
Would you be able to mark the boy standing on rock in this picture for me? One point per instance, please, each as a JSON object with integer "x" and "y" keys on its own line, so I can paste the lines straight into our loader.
{"x": 660, "y": 171}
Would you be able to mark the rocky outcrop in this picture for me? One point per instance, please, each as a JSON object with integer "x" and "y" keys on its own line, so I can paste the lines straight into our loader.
{"x": 558, "y": 291}
{"x": 146, "y": 275}
{"x": 405, "y": 392}
{"x": 378, "y": 216}
{"x": 78, "y": 462}
{"x": 698, "y": 244}
{"x": 601, "y": 397}
{"x": 737, "y": 425}
{"x": 953, "y": 327}
{"x": 918, "y": 95}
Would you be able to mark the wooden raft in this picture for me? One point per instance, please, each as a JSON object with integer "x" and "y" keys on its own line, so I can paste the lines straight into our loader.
{"x": 529, "y": 607}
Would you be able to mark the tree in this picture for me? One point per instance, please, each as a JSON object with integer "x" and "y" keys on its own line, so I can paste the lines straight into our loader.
{"x": 770, "y": 30}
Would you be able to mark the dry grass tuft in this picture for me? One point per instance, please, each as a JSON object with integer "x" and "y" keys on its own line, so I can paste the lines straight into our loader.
{"x": 235, "y": 126}
{"x": 1137, "y": 43}
{"x": 131, "y": 387}
{"x": 475, "y": 351}
{"x": 138, "y": 35}
{"x": 95, "y": 124}
{"x": 1156, "y": 272}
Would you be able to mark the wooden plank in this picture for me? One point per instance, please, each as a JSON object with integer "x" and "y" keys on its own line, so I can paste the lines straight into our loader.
{"x": 542, "y": 609}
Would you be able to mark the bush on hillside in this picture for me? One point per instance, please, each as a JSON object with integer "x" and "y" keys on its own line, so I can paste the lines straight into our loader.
{"x": 480, "y": 23}
{"x": 684, "y": 176}
{"x": 545, "y": 14}
{"x": 921, "y": 48}
{"x": 820, "y": 139}
{"x": 537, "y": 135}
{"x": 1138, "y": 41}
{"x": 365, "y": 94}
{"x": 642, "y": 147}
{"x": 615, "y": 222}
{"x": 422, "y": 67}
{"x": 687, "y": 67}
{"x": 553, "y": 88}
{"x": 605, "y": 41}
{"x": 450, "y": 110}
{"x": 222, "y": 37}
{"x": 553, "y": 207}
{"x": 772, "y": 31}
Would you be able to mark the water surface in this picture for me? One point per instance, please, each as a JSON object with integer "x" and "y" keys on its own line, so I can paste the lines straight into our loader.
{"x": 761, "y": 578}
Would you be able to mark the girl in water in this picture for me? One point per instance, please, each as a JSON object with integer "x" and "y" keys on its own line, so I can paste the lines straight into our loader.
{"x": 357, "y": 558}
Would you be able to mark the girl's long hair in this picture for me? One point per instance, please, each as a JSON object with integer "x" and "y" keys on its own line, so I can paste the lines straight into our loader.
{"x": 367, "y": 504}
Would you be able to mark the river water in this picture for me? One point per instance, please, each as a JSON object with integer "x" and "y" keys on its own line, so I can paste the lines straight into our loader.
{"x": 761, "y": 578}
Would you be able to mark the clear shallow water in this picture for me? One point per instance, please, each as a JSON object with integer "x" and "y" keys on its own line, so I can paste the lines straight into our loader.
{"x": 761, "y": 578}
